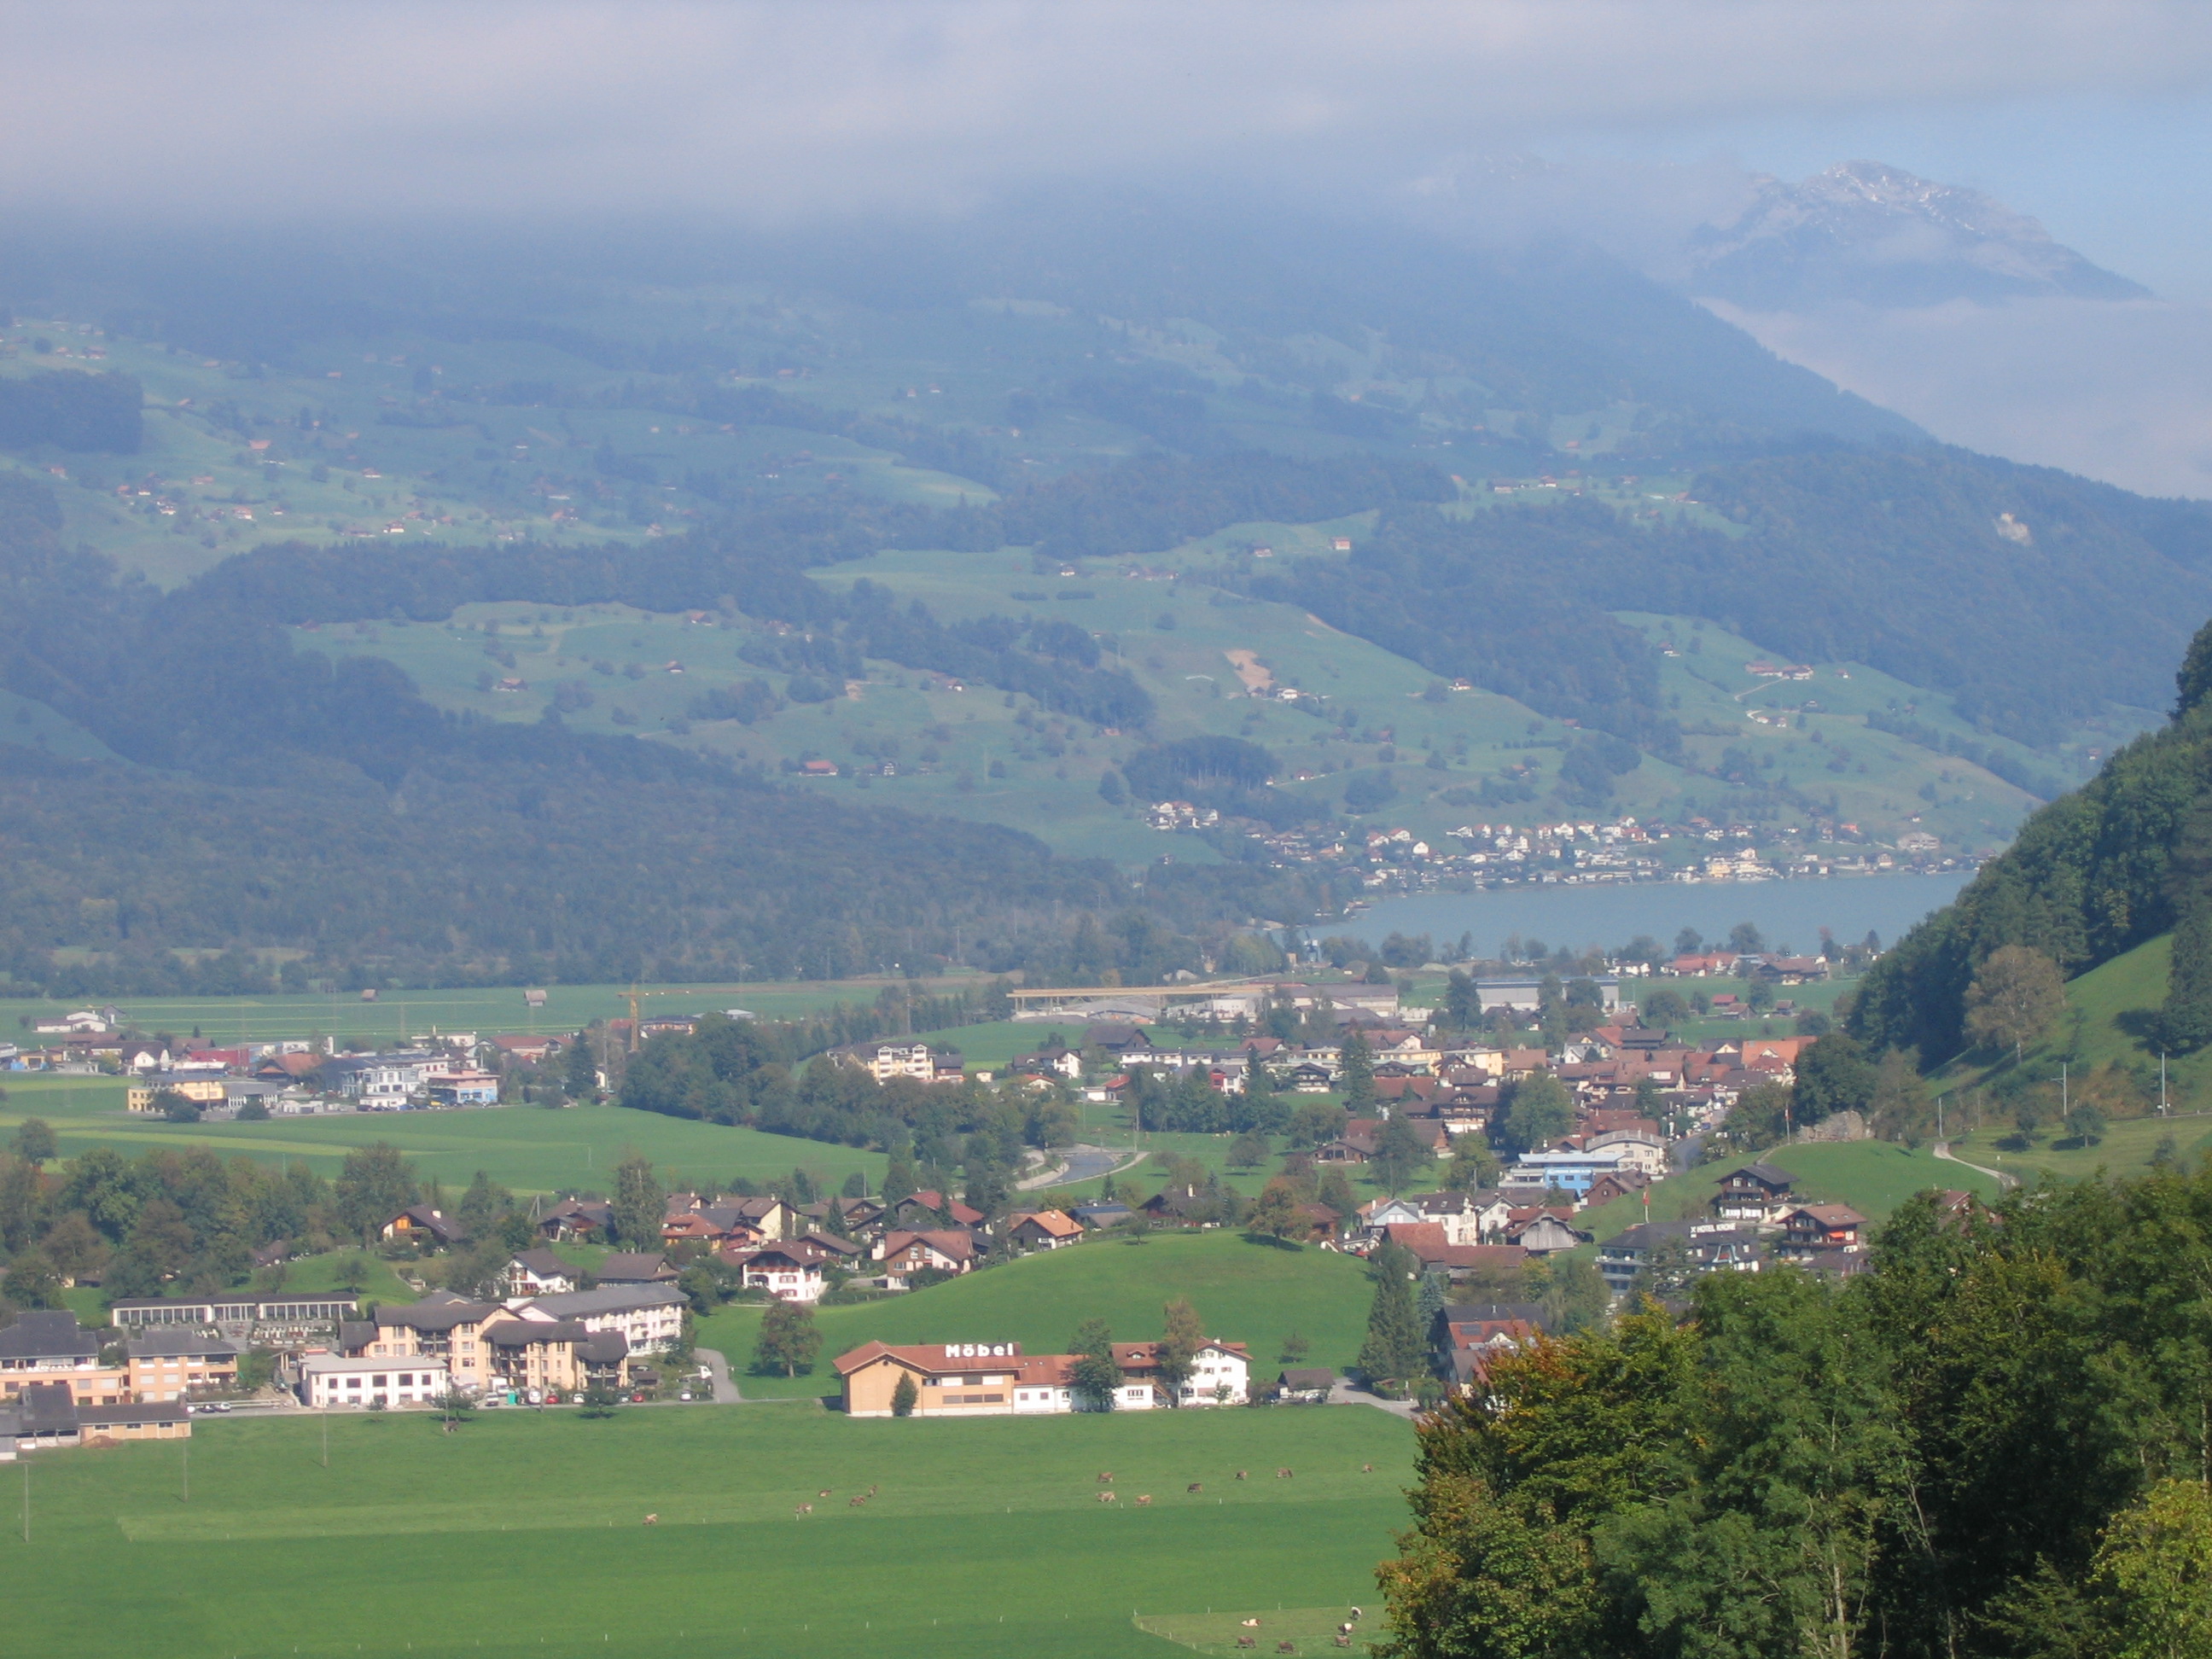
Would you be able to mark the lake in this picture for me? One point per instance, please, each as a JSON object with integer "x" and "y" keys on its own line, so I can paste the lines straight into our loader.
{"x": 1790, "y": 912}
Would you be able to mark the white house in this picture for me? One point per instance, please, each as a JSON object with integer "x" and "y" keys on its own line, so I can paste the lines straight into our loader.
{"x": 416, "y": 1380}
{"x": 650, "y": 1315}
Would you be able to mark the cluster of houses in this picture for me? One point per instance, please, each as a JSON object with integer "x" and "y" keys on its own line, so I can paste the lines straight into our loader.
{"x": 292, "y": 1077}
{"x": 997, "y": 1379}
{"x": 63, "y": 1385}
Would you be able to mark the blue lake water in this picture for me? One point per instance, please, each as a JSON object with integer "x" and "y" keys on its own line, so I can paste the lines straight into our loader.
{"x": 1790, "y": 912}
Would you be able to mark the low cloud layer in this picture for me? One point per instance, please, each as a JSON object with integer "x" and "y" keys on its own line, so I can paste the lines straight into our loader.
{"x": 2121, "y": 391}
{"x": 762, "y": 106}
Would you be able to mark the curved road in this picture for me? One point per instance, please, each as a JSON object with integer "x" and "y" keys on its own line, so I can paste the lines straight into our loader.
{"x": 1084, "y": 1163}
{"x": 725, "y": 1389}
{"x": 2005, "y": 1182}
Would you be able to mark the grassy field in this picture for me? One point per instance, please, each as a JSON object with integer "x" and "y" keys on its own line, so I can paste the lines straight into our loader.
{"x": 488, "y": 1011}
{"x": 1257, "y": 1294}
{"x": 1873, "y": 1177}
{"x": 521, "y": 1535}
{"x": 527, "y": 1149}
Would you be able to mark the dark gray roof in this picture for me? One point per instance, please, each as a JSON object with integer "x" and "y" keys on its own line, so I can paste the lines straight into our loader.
{"x": 523, "y": 1333}
{"x": 47, "y": 1408}
{"x": 177, "y": 1341}
{"x": 1469, "y": 1313}
{"x": 1308, "y": 1376}
{"x": 48, "y": 1333}
{"x": 608, "y": 1298}
{"x": 1766, "y": 1174}
{"x": 545, "y": 1264}
{"x": 603, "y": 1347}
{"x": 119, "y": 1416}
{"x": 440, "y": 1311}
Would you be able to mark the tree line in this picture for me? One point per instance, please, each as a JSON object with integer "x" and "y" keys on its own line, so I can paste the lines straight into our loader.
{"x": 1993, "y": 1443}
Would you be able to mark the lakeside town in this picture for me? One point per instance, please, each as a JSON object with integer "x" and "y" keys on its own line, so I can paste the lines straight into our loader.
{"x": 1471, "y": 1144}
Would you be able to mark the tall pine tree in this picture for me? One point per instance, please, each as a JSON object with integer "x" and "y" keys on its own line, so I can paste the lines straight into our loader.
{"x": 1395, "y": 1350}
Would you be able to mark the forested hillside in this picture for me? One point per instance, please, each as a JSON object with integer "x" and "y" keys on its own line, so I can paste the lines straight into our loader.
{"x": 2091, "y": 875}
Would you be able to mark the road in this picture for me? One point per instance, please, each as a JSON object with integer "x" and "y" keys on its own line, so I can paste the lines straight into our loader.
{"x": 1084, "y": 1163}
{"x": 726, "y": 1388}
{"x": 2005, "y": 1182}
{"x": 1343, "y": 1394}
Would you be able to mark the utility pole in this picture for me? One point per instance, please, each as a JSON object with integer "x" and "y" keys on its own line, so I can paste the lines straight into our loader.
{"x": 2161, "y": 1083}
{"x": 27, "y": 1503}
{"x": 325, "y": 1415}
{"x": 186, "y": 1465}
{"x": 1939, "y": 1117}
{"x": 2065, "y": 1101}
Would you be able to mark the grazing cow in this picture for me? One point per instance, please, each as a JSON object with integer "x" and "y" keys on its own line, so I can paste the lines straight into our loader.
{"x": 1343, "y": 1641}
{"x": 1240, "y": 1474}
{"x": 1105, "y": 1497}
{"x": 1195, "y": 1486}
{"x": 1367, "y": 1468}
{"x": 804, "y": 1509}
{"x": 653, "y": 1520}
{"x": 856, "y": 1500}
{"x": 1143, "y": 1499}
{"x": 1106, "y": 1478}
{"x": 872, "y": 1489}
{"x": 1248, "y": 1641}
{"x": 1282, "y": 1475}
{"x": 1286, "y": 1647}
{"x": 824, "y": 1493}
{"x": 1345, "y": 1629}
{"x": 1355, "y": 1612}
{"x": 1249, "y": 1624}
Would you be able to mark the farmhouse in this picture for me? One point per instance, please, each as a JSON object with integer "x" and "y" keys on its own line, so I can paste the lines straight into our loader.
{"x": 1043, "y": 1230}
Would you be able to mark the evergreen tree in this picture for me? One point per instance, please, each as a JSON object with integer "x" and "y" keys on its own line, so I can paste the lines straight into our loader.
{"x": 1397, "y": 1348}
{"x": 898, "y": 1180}
{"x": 640, "y": 1205}
{"x": 1355, "y": 1077}
{"x": 581, "y": 1079}
{"x": 905, "y": 1396}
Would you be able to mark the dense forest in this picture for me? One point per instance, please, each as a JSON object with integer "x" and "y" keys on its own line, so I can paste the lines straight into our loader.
{"x": 1992, "y": 1445}
{"x": 2093, "y": 874}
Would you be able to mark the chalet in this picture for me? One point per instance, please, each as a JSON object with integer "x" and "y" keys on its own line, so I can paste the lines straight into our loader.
{"x": 1703, "y": 1248}
{"x": 1615, "y": 1183}
{"x": 530, "y": 1050}
{"x": 1757, "y": 1192}
{"x": 1356, "y": 1145}
{"x": 1309, "y": 1078}
{"x": 1427, "y": 1243}
{"x": 540, "y": 1273}
{"x": 1043, "y": 1230}
{"x": 636, "y": 1267}
{"x": 1184, "y": 1207}
{"x": 1220, "y": 1374}
{"x": 425, "y": 1228}
{"x": 931, "y": 1208}
{"x": 789, "y": 1273}
{"x": 1103, "y": 1215}
{"x": 1465, "y": 1337}
{"x": 951, "y": 1250}
{"x": 1812, "y": 1228}
{"x": 578, "y": 1217}
{"x": 1546, "y": 1233}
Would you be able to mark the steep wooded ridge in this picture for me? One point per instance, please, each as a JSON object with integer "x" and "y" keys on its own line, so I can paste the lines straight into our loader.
{"x": 2091, "y": 875}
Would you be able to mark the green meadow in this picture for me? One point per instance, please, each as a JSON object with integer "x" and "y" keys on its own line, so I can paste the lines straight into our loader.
{"x": 397, "y": 1016}
{"x": 1873, "y": 1177}
{"x": 527, "y": 1149}
{"x": 1249, "y": 1292}
{"x": 523, "y": 1534}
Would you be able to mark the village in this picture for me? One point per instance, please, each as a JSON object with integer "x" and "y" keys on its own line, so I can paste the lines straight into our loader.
{"x": 1534, "y": 1121}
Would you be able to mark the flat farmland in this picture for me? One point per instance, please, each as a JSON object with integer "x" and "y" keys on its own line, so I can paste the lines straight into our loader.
{"x": 528, "y": 1149}
{"x": 523, "y": 1534}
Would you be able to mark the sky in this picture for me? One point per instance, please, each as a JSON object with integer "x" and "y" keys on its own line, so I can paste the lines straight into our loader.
{"x": 2095, "y": 116}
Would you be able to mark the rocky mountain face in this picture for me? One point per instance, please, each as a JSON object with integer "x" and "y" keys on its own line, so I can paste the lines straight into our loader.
{"x": 1862, "y": 231}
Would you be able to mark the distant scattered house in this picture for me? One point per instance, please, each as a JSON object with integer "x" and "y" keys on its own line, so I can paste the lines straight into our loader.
{"x": 1308, "y": 1385}
{"x": 1547, "y": 1233}
{"x": 1703, "y": 1247}
{"x": 578, "y": 1218}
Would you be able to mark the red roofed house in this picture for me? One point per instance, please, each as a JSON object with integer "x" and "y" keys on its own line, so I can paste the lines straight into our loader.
{"x": 1043, "y": 1230}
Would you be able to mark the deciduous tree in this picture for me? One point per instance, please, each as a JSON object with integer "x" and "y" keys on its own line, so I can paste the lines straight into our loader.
{"x": 2015, "y": 996}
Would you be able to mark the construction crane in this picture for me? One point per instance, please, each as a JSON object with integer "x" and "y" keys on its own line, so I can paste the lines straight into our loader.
{"x": 634, "y": 996}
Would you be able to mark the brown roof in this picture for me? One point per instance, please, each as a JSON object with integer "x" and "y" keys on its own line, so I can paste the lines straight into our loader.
{"x": 1058, "y": 1223}
{"x": 937, "y": 1359}
{"x": 944, "y": 1241}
